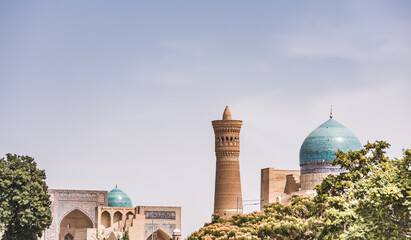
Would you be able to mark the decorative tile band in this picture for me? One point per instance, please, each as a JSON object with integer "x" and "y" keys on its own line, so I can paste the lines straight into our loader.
{"x": 160, "y": 214}
{"x": 320, "y": 167}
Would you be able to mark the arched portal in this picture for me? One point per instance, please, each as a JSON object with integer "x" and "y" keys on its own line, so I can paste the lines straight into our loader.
{"x": 68, "y": 237}
{"x": 159, "y": 234}
{"x": 76, "y": 219}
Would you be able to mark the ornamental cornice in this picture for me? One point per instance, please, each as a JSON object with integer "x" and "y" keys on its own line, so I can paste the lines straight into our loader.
{"x": 227, "y": 154}
{"x": 231, "y": 124}
{"x": 227, "y": 130}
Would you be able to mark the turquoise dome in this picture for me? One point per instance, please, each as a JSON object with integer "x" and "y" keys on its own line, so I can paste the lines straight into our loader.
{"x": 324, "y": 141}
{"x": 118, "y": 198}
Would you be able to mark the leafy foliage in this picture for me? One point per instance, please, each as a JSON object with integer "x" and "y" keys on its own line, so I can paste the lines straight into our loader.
{"x": 101, "y": 236}
{"x": 24, "y": 200}
{"x": 372, "y": 200}
{"x": 299, "y": 220}
{"x": 125, "y": 236}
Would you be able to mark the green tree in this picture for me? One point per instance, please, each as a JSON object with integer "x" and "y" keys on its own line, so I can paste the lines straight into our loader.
{"x": 371, "y": 200}
{"x": 298, "y": 220}
{"x": 24, "y": 200}
{"x": 126, "y": 236}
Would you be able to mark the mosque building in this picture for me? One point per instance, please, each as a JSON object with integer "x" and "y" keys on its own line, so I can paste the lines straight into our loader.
{"x": 88, "y": 214}
{"x": 91, "y": 215}
{"x": 316, "y": 155}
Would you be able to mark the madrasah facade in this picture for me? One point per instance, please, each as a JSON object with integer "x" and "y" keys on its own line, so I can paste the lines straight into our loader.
{"x": 91, "y": 215}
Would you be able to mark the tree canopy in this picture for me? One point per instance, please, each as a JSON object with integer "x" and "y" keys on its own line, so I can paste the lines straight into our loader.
{"x": 297, "y": 220}
{"x": 24, "y": 200}
{"x": 371, "y": 199}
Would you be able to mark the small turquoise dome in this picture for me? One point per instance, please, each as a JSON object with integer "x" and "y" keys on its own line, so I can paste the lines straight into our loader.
{"x": 325, "y": 140}
{"x": 118, "y": 198}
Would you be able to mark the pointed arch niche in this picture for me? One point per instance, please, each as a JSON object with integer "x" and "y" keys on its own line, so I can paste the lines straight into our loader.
{"x": 68, "y": 237}
{"x": 106, "y": 219}
{"x": 117, "y": 217}
{"x": 75, "y": 219}
{"x": 160, "y": 234}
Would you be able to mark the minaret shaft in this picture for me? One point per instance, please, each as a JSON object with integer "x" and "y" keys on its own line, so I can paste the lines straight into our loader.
{"x": 228, "y": 197}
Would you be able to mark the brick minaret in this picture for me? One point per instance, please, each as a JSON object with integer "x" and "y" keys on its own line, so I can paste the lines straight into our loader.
{"x": 227, "y": 198}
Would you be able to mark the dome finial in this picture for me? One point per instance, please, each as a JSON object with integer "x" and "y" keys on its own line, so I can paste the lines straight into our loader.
{"x": 227, "y": 114}
{"x": 331, "y": 111}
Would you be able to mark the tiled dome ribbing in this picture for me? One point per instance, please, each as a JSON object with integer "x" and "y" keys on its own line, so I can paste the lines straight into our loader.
{"x": 325, "y": 140}
{"x": 118, "y": 198}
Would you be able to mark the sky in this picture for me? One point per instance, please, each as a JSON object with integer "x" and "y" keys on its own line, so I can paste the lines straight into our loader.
{"x": 123, "y": 92}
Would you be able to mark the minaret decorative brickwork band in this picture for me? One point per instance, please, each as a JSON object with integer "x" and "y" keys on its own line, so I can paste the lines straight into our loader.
{"x": 228, "y": 199}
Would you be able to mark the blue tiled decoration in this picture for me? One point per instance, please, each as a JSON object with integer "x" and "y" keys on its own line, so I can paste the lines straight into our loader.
{"x": 317, "y": 149}
{"x": 118, "y": 198}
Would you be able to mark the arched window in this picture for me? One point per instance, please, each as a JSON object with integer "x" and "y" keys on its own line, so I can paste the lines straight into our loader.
{"x": 231, "y": 139}
{"x": 222, "y": 139}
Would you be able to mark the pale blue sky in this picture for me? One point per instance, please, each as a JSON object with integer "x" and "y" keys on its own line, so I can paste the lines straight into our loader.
{"x": 123, "y": 92}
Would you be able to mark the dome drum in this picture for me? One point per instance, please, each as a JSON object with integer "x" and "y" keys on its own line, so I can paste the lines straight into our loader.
{"x": 319, "y": 167}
